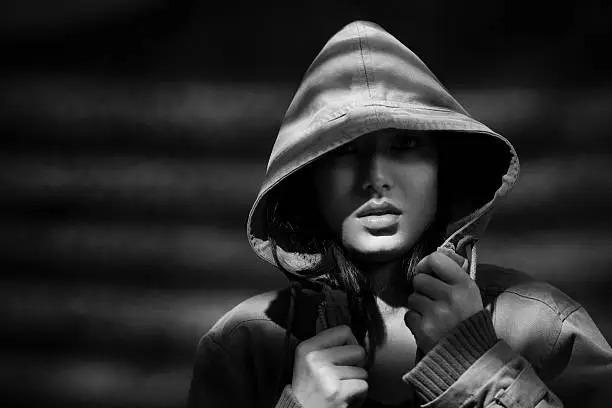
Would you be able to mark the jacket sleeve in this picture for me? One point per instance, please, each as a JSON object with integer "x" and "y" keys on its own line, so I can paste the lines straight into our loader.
{"x": 221, "y": 378}
{"x": 471, "y": 367}
{"x": 580, "y": 365}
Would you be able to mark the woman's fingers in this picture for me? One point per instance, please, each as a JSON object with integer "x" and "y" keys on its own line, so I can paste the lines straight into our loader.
{"x": 343, "y": 355}
{"x": 350, "y": 372}
{"x": 442, "y": 267}
{"x": 412, "y": 320}
{"x": 353, "y": 390}
{"x": 419, "y": 303}
{"x": 430, "y": 286}
{"x": 335, "y": 336}
{"x": 343, "y": 383}
{"x": 446, "y": 269}
{"x": 328, "y": 369}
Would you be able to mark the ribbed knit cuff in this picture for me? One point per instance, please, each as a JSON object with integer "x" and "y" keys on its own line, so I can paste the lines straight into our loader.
{"x": 287, "y": 399}
{"x": 452, "y": 356}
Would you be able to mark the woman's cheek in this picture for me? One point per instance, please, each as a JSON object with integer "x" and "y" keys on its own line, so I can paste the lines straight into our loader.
{"x": 334, "y": 198}
{"x": 424, "y": 179}
{"x": 428, "y": 191}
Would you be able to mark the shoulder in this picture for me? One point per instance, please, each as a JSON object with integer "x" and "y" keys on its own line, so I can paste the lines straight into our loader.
{"x": 527, "y": 313}
{"x": 262, "y": 312}
{"x": 245, "y": 350}
{"x": 515, "y": 286}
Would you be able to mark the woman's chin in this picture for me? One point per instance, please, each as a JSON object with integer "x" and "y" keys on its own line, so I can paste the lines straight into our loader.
{"x": 380, "y": 249}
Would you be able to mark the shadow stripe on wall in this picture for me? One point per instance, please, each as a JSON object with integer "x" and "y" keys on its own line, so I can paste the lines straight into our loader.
{"x": 202, "y": 256}
{"x": 109, "y": 321}
{"x": 147, "y": 327}
{"x": 150, "y": 255}
{"x": 206, "y": 118}
{"x": 220, "y": 192}
{"x": 132, "y": 188}
{"x": 91, "y": 382}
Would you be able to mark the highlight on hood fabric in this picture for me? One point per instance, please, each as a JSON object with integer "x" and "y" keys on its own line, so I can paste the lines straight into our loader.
{"x": 365, "y": 80}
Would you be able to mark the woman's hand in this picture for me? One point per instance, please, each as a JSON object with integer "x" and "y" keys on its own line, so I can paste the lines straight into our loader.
{"x": 444, "y": 295}
{"x": 328, "y": 370}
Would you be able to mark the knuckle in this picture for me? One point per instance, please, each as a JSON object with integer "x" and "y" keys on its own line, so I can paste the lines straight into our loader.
{"x": 439, "y": 312}
{"x": 299, "y": 350}
{"x": 422, "y": 264}
{"x": 361, "y": 373}
{"x": 362, "y": 386}
{"x": 331, "y": 390}
{"x": 428, "y": 328}
{"x": 311, "y": 359}
{"x": 456, "y": 297}
{"x": 342, "y": 331}
{"x": 436, "y": 259}
{"x": 360, "y": 351}
{"x": 447, "y": 317}
{"x": 302, "y": 350}
{"x": 418, "y": 279}
{"x": 472, "y": 287}
{"x": 410, "y": 316}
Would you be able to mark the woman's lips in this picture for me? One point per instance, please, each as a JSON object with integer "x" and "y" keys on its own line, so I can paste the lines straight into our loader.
{"x": 379, "y": 221}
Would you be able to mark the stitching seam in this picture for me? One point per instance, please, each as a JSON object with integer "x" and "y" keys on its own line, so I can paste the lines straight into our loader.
{"x": 365, "y": 71}
{"x": 242, "y": 323}
{"x": 556, "y": 311}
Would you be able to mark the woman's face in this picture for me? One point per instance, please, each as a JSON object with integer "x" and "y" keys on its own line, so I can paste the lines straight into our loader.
{"x": 378, "y": 194}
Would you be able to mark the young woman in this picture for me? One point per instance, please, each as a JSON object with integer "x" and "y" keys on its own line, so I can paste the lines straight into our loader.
{"x": 377, "y": 191}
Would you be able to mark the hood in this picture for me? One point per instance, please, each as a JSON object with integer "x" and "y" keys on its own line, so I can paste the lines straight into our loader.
{"x": 364, "y": 80}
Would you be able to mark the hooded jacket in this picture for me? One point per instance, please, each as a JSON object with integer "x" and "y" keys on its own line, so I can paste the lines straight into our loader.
{"x": 532, "y": 346}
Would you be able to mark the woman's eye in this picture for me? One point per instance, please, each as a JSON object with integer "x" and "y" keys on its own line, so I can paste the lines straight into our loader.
{"x": 405, "y": 143}
{"x": 345, "y": 149}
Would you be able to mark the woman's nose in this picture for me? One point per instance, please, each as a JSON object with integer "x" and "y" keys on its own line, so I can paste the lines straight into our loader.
{"x": 376, "y": 177}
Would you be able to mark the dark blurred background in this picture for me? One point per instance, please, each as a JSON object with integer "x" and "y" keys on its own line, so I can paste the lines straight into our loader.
{"x": 135, "y": 135}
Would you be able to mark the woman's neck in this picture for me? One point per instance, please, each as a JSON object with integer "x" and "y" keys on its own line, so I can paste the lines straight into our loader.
{"x": 390, "y": 285}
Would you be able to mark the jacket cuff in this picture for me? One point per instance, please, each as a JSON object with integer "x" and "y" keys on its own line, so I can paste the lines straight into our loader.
{"x": 452, "y": 356}
{"x": 287, "y": 399}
